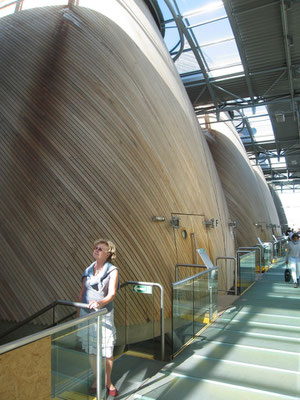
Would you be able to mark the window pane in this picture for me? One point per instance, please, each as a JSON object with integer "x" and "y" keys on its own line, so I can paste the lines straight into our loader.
{"x": 213, "y": 32}
{"x": 6, "y": 10}
{"x": 221, "y": 54}
{"x": 187, "y": 63}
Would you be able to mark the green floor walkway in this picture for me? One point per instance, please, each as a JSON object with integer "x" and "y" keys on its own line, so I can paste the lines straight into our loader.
{"x": 251, "y": 352}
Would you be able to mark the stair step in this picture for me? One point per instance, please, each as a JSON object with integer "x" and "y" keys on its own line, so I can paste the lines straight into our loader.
{"x": 261, "y": 317}
{"x": 263, "y": 308}
{"x": 253, "y": 339}
{"x": 241, "y": 353}
{"x": 176, "y": 386}
{"x": 259, "y": 328}
{"x": 238, "y": 374}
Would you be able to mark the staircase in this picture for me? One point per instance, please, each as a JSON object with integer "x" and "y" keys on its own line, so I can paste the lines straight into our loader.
{"x": 251, "y": 352}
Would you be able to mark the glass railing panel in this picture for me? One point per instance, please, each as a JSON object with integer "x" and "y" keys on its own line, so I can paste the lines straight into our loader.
{"x": 182, "y": 330}
{"x": 201, "y": 301}
{"x": 74, "y": 360}
{"x": 246, "y": 270}
{"x": 213, "y": 285}
{"x": 275, "y": 251}
{"x": 195, "y": 304}
{"x": 283, "y": 247}
{"x": 267, "y": 256}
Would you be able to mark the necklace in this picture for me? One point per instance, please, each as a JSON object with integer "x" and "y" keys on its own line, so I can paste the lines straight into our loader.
{"x": 97, "y": 271}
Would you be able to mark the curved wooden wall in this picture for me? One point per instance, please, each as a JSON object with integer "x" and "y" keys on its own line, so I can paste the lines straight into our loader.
{"x": 280, "y": 210}
{"x": 98, "y": 136}
{"x": 245, "y": 191}
{"x": 271, "y": 216}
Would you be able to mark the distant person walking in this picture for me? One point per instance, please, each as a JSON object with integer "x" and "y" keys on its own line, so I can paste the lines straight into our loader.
{"x": 293, "y": 258}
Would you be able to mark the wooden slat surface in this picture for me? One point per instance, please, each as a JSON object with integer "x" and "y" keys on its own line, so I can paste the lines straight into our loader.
{"x": 97, "y": 137}
{"x": 248, "y": 197}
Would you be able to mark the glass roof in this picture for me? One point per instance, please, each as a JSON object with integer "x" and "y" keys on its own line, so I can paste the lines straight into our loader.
{"x": 260, "y": 124}
{"x": 207, "y": 22}
{"x": 210, "y": 28}
{"x": 10, "y": 6}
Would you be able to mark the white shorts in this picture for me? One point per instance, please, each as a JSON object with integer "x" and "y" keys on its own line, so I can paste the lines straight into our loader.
{"x": 87, "y": 333}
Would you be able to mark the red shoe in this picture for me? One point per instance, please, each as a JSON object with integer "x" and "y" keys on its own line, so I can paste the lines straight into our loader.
{"x": 92, "y": 390}
{"x": 112, "y": 392}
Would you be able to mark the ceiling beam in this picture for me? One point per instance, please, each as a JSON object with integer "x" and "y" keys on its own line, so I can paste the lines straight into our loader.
{"x": 287, "y": 44}
{"x": 240, "y": 46}
{"x": 237, "y": 106}
{"x": 196, "y": 50}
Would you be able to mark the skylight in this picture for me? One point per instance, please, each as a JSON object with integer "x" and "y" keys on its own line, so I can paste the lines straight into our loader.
{"x": 208, "y": 25}
{"x": 260, "y": 124}
{"x": 9, "y": 6}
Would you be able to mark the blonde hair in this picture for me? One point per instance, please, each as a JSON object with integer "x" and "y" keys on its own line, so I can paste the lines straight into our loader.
{"x": 111, "y": 248}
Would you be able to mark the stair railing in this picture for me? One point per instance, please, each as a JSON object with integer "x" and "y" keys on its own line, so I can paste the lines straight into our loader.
{"x": 187, "y": 266}
{"x": 162, "y": 320}
{"x": 42, "y": 312}
{"x": 91, "y": 318}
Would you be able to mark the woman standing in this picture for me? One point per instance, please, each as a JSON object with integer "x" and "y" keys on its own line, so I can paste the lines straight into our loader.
{"x": 293, "y": 258}
{"x": 99, "y": 287}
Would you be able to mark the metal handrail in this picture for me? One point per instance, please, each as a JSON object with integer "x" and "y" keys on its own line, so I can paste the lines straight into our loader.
{"x": 188, "y": 266}
{"x": 194, "y": 276}
{"x": 43, "y": 311}
{"x": 254, "y": 248}
{"x": 162, "y": 320}
{"x": 49, "y": 331}
{"x": 235, "y": 270}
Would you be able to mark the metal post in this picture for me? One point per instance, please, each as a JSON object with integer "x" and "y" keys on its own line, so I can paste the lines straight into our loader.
{"x": 235, "y": 269}
{"x": 210, "y": 299}
{"x": 193, "y": 297}
{"x": 125, "y": 322}
{"x": 99, "y": 358}
{"x": 280, "y": 247}
{"x": 162, "y": 323}
{"x": 53, "y": 316}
